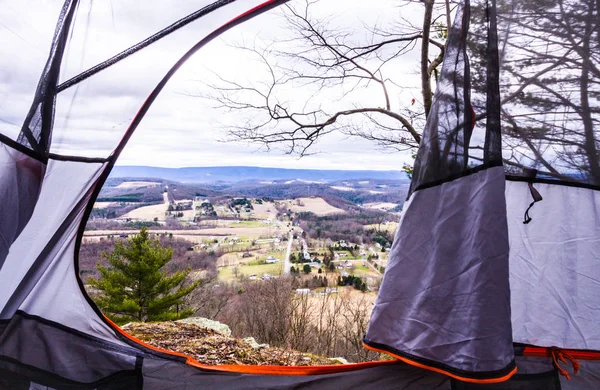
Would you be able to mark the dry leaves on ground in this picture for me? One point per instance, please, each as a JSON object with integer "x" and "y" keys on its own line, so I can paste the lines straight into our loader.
{"x": 210, "y": 347}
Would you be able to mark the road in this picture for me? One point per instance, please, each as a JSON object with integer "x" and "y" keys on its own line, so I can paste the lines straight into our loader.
{"x": 286, "y": 262}
{"x": 372, "y": 267}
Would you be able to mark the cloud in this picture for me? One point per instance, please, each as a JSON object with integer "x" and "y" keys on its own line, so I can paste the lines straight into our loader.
{"x": 178, "y": 130}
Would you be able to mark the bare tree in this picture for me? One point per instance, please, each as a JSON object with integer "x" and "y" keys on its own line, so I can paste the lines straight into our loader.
{"x": 551, "y": 94}
{"x": 549, "y": 82}
{"x": 292, "y": 106}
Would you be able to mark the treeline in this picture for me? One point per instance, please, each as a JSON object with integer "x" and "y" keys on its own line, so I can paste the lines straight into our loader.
{"x": 143, "y": 195}
{"x": 183, "y": 255}
{"x": 294, "y": 190}
{"x": 347, "y": 226}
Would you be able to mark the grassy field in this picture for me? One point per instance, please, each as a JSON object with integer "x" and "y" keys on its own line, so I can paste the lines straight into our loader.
{"x": 226, "y": 273}
{"x": 148, "y": 213}
{"x": 266, "y": 210}
{"x": 102, "y": 205}
{"x": 314, "y": 205}
{"x": 380, "y": 205}
{"x": 341, "y": 188}
{"x": 137, "y": 184}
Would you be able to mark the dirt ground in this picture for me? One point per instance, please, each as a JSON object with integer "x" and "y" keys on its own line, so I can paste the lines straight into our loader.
{"x": 210, "y": 347}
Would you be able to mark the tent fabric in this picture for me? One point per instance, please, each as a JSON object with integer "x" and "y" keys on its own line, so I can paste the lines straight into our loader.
{"x": 456, "y": 140}
{"x": 20, "y": 180}
{"x": 446, "y": 287}
{"x": 452, "y": 311}
{"x": 553, "y": 262}
{"x": 497, "y": 243}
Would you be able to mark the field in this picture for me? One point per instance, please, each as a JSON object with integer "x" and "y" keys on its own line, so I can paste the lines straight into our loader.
{"x": 317, "y": 206}
{"x": 137, "y": 184}
{"x": 227, "y": 273}
{"x": 196, "y": 236}
{"x": 149, "y": 213}
{"x": 341, "y": 188}
{"x": 102, "y": 205}
{"x": 187, "y": 214}
{"x": 266, "y": 210}
{"x": 380, "y": 205}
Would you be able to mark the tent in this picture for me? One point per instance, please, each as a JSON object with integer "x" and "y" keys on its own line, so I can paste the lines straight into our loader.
{"x": 493, "y": 280}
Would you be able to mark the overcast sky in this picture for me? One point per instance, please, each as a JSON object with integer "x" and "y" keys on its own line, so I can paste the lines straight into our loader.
{"x": 180, "y": 130}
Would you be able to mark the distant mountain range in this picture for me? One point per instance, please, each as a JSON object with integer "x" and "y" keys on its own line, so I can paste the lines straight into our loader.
{"x": 242, "y": 173}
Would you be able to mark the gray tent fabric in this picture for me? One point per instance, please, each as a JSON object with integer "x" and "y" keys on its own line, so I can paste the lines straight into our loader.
{"x": 554, "y": 264}
{"x": 20, "y": 182}
{"x": 446, "y": 287}
{"x": 493, "y": 269}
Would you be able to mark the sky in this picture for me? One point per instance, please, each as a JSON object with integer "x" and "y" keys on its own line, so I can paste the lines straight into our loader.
{"x": 181, "y": 129}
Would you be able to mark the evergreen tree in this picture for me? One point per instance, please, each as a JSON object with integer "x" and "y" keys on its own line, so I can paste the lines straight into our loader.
{"x": 306, "y": 268}
{"x": 134, "y": 287}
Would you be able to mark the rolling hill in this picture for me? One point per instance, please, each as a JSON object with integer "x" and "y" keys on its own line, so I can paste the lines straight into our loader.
{"x": 245, "y": 173}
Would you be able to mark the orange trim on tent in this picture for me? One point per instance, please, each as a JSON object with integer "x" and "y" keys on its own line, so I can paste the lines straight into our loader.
{"x": 262, "y": 370}
{"x": 291, "y": 370}
{"x": 444, "y": 372}
{"x": 547, "y": 352}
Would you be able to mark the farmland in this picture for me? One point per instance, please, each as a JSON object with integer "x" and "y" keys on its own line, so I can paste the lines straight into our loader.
{"x": 317, "y": 248}
{"x": 249, "y": 235}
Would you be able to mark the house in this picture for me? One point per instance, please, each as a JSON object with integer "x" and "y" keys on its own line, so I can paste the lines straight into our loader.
{"x": 306, "y": 255}
{"x": 314, "y": 264}
{"x": 272, "y": 260}
{"x": 303, "y": 291}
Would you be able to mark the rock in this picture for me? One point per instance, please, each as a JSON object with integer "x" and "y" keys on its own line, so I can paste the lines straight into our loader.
{"x": 339, "y": 360}
{"x": 250, "y": 341}
{"x": 206, "y": 323}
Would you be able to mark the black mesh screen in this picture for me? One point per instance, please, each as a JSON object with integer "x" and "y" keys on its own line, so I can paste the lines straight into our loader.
{"x": 550, "y": 87}
{"x": 463, "y": 128}
{"x": 529, "y": 70}
{"x": 37, "y": 127}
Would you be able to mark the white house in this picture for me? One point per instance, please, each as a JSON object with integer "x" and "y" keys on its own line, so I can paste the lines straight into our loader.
{"x": 272, "y": 260}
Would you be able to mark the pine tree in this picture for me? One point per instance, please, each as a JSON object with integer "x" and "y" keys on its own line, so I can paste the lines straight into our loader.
{"x": 134, "y": 287}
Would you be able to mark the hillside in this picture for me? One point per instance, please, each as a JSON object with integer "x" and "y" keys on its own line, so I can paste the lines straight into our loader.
{"x": 241, "y": 173}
